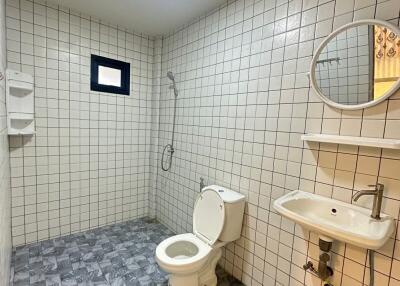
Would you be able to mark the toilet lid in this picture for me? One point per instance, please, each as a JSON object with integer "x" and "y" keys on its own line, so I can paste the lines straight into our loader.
{"x": 208, "y": 216}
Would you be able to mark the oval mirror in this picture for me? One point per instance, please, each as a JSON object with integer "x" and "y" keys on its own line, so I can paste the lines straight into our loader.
{"x": 358, "y": 65}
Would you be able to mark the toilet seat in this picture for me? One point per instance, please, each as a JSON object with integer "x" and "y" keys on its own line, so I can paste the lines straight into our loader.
{"x": 183, "y": 253}
{"x": 209, "y": 204}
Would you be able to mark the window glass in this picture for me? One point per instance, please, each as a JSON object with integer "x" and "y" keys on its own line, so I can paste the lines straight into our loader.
{"x": 109, "y": 76}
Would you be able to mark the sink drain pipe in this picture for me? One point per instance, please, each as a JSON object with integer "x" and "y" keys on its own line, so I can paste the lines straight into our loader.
{"x": 324, "y": 271}
{"x": 371, "y": 267}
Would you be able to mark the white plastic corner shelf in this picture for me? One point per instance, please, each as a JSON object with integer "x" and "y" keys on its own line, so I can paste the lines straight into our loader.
{"x": 353, "y": 140}
{"x": 20, "y": 103}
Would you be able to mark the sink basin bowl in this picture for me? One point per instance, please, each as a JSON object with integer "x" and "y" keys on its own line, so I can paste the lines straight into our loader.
{"x": 335, "y": 219}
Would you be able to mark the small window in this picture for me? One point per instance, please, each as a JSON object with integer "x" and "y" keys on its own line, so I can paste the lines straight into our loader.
{"x": 108, "y": 75}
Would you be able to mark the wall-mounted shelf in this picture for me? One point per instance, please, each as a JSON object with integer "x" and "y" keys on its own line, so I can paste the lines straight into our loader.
{"x": 20, "y": 103}
{"x": 353, "y": 140}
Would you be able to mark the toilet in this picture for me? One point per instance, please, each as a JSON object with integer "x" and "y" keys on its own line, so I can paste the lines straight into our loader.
{"x": 191, "y": 258}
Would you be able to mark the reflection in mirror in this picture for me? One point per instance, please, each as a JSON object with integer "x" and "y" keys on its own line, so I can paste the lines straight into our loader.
{"x": 359, "y": 65}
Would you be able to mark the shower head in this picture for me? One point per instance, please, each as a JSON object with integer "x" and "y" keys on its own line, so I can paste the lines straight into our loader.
{"x": 170, "y": 75}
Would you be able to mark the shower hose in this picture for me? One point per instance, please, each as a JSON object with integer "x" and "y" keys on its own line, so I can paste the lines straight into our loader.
{"x": 170, "y": 149}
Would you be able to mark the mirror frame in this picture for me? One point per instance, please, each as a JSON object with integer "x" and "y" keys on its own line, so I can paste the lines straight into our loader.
{"x": 313, "y": 79}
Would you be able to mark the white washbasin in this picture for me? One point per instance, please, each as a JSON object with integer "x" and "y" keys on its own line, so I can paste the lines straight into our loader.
{"x": 335, "y": 219}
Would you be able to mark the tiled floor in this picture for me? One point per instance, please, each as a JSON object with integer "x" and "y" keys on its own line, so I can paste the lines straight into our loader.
{"x": 121, "y": 254}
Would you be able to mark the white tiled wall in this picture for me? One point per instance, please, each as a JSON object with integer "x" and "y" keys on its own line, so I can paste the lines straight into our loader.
{"x": 244, "y": 101}
{"x": 88, "y": 164}
{"x": 5, "y": 198}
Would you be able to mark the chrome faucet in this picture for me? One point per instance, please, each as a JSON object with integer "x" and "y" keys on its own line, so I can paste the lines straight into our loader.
{"x": 377, "y": 192}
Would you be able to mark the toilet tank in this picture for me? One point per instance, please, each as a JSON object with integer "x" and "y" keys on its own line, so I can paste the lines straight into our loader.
{"x": 234, "y": 204}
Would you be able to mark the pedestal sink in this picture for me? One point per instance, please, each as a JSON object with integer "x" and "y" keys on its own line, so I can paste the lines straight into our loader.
{"x": 335, "y": 219}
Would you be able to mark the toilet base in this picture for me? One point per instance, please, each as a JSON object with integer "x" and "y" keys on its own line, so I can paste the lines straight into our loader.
{"x": 205, "y": 277}
{"x": 207, "y": 274}
{"x": 183, "y": 280}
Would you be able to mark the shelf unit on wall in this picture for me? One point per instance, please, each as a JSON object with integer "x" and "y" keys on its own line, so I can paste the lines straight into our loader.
{"x": 20, "y": 103}
{"x": 353, "y": 140}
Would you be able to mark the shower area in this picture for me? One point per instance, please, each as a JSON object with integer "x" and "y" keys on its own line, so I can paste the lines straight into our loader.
{"x": 121, "y": 253}
{"x": 84, "y": 212}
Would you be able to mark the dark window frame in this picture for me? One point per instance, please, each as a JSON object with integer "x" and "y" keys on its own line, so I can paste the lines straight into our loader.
{"x": 124, "y": 67}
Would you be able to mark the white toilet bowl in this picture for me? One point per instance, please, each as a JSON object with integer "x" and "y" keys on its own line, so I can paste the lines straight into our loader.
{"x": 183, "y": 253}
{"x": 190, "y": 258}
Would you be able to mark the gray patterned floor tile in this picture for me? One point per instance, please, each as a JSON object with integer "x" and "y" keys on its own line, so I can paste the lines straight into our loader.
{"x": 116, "y": 255}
